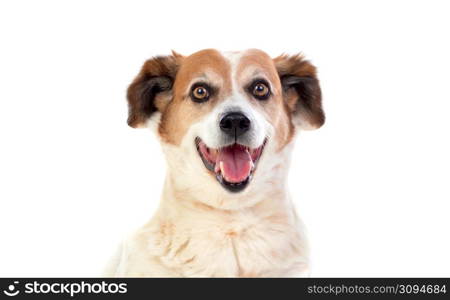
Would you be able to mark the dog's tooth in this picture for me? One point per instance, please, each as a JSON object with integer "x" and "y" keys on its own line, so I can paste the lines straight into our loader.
{"x": 221, "y": 166}
{"x": 218, "y": 167}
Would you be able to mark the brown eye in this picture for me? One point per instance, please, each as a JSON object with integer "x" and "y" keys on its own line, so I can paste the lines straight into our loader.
{"x": 261, "y": 91}
{"x": 200, "y": 93}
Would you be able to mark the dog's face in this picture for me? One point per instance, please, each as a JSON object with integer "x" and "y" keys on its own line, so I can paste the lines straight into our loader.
{"x": 226, "y": 119}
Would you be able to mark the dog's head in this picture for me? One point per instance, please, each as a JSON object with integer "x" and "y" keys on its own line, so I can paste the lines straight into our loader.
{"x": 226, "y": 120}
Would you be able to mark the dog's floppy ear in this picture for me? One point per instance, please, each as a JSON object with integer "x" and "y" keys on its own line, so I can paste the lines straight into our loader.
{"x": 301, "y": 90}
{"x": 152, "y": 88}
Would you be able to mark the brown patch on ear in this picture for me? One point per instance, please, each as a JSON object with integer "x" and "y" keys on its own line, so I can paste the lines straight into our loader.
{"x": 177, "y": 55}
{"x": 301, "y": 90}
{"x": 151, "y": 88}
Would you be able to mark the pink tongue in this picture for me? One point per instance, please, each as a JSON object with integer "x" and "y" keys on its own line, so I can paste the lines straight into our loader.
{"x": 236, "y": 163}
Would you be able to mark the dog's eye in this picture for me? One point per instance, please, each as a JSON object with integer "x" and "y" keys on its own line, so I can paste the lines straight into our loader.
{"x": 200, "y": 93}
{"x": 260, "y": 91}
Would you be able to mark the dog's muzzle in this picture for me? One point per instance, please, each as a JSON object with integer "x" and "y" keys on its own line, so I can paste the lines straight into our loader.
{"x": 234, "y": 163}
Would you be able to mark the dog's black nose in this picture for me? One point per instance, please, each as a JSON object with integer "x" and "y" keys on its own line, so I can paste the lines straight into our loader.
{"x": 235, "y": 124}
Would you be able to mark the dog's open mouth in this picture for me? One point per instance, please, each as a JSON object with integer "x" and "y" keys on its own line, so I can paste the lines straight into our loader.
{"x": 233, "y": 165}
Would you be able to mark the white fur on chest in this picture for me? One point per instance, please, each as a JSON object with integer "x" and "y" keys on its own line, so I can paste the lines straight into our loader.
{"x": 217, "y": 245}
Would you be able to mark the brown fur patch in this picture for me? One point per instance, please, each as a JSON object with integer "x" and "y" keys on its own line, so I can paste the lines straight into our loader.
{"x": 156, "y": 76}
{"x": 181, "y": 112}
{"x": 301, "y": 88}
{"x": 275, "y": 108}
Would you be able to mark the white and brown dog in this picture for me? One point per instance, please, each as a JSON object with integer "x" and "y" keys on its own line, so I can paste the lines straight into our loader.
{"x": 226, "y": 122}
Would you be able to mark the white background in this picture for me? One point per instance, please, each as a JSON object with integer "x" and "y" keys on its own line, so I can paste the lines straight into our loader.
{"x": 372, "y": 185}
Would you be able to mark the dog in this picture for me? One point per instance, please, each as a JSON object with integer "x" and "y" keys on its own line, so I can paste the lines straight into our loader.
{"x": 227, "y": 122}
